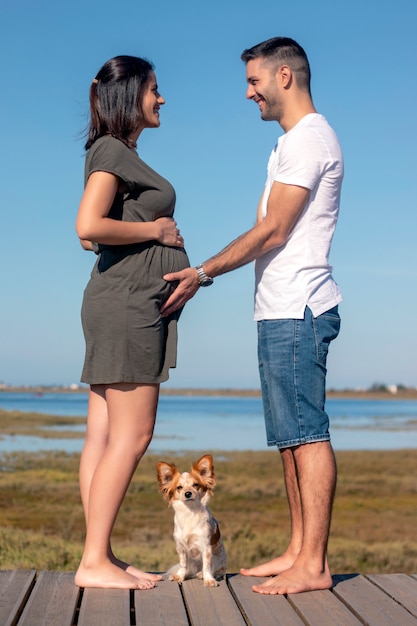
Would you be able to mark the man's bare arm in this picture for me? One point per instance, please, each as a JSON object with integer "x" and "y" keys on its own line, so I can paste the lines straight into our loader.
{"x": 285, "y": 205}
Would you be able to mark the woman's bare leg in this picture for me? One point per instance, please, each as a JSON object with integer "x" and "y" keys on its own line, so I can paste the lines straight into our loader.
{"x": 105, "y": 477}
{"x": 96, "y": 440}
{"x": 94, "y": 447}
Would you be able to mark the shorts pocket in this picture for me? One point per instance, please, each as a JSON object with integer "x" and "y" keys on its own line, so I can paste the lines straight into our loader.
{"x": 326, "y": 328}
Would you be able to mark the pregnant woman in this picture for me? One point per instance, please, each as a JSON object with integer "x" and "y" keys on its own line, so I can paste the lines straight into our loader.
{"x": 126, "y": 217}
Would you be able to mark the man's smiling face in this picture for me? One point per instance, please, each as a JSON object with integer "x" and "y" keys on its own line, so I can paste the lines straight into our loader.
{"x": 263, "y": 88}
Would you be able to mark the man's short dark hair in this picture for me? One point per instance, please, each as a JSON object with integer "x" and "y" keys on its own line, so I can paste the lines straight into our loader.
{"x": 283, "y": 51}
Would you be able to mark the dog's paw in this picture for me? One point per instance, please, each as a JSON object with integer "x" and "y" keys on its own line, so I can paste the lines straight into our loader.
{"x": 178, "y": 576}
{"x": 210, "y": 582}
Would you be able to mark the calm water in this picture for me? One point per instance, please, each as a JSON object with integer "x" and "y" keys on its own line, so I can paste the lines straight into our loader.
{"x": 228, "y": 423}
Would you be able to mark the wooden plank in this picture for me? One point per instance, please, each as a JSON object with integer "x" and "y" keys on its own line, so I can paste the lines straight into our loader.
{"x": 260, "y": 609}
{"x": 15, "y": 587}
{"x": 400, "y": 587}
{"x": 210, "y": 606}
{"x": 161, "y": 606}
{"x": 322, "y": 607}
{"x": 371, "y": 605}
{"x": 52, "y": 601}
{"x": 105, "y": 607}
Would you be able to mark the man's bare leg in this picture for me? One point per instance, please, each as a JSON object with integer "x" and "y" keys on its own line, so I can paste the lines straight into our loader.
{"x": 316, "y": 470}
{"x": 286, "y": 560}
{"x": 105, "y": 477}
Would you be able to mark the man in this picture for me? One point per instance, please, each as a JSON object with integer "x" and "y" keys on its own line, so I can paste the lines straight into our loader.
{"x": 295, "y": 303}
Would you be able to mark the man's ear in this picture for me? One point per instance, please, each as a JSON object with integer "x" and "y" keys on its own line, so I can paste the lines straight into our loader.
{"x": 284, "y": 76}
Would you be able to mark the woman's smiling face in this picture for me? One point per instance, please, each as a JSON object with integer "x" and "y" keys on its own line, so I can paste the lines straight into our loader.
{"x": 151, "y": 103}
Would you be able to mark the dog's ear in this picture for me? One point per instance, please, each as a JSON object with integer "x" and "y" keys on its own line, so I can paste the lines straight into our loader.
{"x": 165, "y": 473}
{"x": 204, "y": 465}
{"x": 205, "y": 468}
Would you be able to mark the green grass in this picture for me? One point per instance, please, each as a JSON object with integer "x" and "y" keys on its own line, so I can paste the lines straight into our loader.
{"x": 18, "y": 423}
{"x": 373, "y": 528}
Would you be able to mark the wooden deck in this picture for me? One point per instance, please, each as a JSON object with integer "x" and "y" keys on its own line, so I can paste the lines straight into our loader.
{"x": 30, "y": 598}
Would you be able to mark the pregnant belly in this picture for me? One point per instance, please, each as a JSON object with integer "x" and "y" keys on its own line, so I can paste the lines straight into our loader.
{"x": 173, "y": 259}
{"x": 135, "y": 277}
{"x": 151, "y": 258}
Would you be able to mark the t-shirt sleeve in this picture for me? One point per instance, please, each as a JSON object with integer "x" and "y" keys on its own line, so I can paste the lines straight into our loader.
{"x": 112, "y": 156}
{"x": 300, "y": 160}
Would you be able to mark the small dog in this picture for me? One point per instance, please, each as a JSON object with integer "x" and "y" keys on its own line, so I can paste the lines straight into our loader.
{"x": 197, "y": 536}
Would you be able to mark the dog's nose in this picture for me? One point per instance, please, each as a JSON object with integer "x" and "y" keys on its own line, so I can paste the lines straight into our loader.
{"x": 188, "y": 494}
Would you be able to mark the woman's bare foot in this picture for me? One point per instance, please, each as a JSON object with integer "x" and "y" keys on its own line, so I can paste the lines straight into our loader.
{"x": 134, "y": 571}
{"x": 296, "y": 580}
{"x": 109, "y": 576}
{"x": 141, "y": 575}
{"x": 271, "y": 568}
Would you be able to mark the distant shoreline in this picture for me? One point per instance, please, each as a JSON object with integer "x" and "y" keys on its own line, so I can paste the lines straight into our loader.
{"x": 401, "y": 394}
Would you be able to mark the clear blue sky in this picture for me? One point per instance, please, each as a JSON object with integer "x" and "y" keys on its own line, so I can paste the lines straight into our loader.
{"x": 213, "y": 146}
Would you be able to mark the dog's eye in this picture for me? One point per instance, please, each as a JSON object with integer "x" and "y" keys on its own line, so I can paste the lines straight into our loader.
{"x": 196, "y": 486}
{"x": 179, "y": 488}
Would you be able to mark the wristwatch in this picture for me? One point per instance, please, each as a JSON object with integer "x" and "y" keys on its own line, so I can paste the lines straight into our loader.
{"x": 203, "y": 279}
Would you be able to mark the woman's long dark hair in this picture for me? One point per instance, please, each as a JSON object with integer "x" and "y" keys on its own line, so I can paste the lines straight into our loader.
{"x": 116, "y": 95}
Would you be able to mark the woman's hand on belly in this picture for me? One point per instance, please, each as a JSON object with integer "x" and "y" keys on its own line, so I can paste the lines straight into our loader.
{"x": 169, "y": 234}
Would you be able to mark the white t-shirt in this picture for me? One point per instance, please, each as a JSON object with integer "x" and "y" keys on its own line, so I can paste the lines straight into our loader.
{"x": 298, "y": 274}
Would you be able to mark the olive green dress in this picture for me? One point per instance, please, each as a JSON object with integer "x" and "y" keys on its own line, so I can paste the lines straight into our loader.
{"x": 126, "y": 338}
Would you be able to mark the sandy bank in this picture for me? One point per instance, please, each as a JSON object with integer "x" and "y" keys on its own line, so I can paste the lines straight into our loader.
{"x": 402, "y": 394}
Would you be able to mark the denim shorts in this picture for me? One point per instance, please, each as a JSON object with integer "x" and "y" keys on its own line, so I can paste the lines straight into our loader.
{"x": 292, "y": 366}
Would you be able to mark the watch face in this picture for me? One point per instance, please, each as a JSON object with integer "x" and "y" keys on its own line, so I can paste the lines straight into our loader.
{"x": 203, "y": 279}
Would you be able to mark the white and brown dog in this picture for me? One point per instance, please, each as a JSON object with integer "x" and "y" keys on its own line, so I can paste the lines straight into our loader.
{"x": 197, "y": 536}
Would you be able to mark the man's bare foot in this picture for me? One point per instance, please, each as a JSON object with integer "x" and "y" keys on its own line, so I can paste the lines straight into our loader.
{"x": 109, "y": 576}
{"x": 134, "y": 571}
{"x": 271, "y": 568}
{"x": 295, "y": 580}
